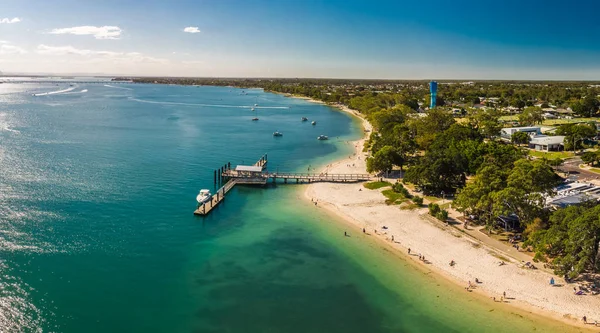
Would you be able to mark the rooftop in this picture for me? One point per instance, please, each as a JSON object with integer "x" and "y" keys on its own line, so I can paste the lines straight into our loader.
{"x": 547, "y": 140}
{"x": 248, "y": 168}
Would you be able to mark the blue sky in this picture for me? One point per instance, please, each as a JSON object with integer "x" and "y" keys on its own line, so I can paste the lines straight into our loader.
{"x": 527, "y": 39}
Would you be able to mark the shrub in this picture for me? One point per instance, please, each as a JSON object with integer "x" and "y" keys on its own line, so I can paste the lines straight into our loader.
{"x": 417, "y": 200}
{"x": 434, "y": 209}
{"x": 442, "y": 215}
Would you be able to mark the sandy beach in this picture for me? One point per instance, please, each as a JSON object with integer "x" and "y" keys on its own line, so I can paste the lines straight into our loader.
{"x": 527, "y": 289}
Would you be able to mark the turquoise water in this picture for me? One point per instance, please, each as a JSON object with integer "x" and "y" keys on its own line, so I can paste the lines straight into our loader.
{"x": 97, "y": 190}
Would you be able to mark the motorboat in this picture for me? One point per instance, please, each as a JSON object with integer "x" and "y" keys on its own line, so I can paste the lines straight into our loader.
{"x": 314, "y": 122}
{"x": 277, "y": 133}
{"x": 255, "y": 104}
{"x": 304, "y": 119}
{"x": 254, "y": 119}
{"x": 252, "y": 109}
{"x": 322, "y": 137}
{"x": 203, "y": 196}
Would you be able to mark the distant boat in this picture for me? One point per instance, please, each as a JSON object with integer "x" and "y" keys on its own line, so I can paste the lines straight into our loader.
{"x": 277, "y": 133}
{"x": 304, "y": 119}
{"x": 203, "y": 196}
{"x": 255, "y": 104}
{"x": 252, "y": 109}
{"x": 322, "y": 137}
{"x": 314, "y": 122}
{"x": 254, "y": 119}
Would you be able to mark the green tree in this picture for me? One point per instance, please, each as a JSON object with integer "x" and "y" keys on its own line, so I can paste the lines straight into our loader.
{"x": 530, "y": 116}
{"x": 528, "y": 183}
{"x": 383, "y": 160}
{"x": 520, "y": 138}
{"x": 485, "y": 121}
{"x": 573, "y": 240}
{"x": 590, "y": 157}
{"x": 576, "y": 134}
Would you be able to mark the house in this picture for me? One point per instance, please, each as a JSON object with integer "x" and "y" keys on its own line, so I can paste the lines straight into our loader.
{"x": 506, "y": 133}
{"x": 547, "y": 143}
{"x": 549, "y": 115}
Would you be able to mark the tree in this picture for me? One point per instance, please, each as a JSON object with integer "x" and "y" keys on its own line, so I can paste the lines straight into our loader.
{"x": 520, "y": 138}
{"x": 383, "y": 160}
{"x": 575, "y": 134}
{"x": 486, "y": 122}
{"x": 573, "y": 240}
{"x": 590, "y": 157}
{"x": 530, "y": 116}
{"x": 588, "y": 107}
{"x": 528, "y": 184}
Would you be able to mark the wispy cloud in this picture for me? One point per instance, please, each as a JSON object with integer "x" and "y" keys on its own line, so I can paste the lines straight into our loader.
{"x": 98, "y": 55}
{"x": 104, "y": 32}
{"x": 9, "y": 21}
{"x": 6, "y": 48}
{"x": 192, "y": 30}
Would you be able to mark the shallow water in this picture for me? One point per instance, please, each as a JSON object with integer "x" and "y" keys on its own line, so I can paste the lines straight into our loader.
{"x": 97, "y": 234}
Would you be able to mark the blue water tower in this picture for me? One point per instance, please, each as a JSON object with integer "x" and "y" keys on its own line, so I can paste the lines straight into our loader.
{"x": 433, "y": 91}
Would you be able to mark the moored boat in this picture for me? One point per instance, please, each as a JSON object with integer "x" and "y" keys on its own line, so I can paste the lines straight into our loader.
{"x": 277, "y": 133}
{"x": 203, "y": 196}
{"x": 314, "y": 122}
{"x": 304, "y": 119}
{"x": 322, "y": 137}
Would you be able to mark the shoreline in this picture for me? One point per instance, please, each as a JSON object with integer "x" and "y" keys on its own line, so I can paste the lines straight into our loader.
{"x": 527, "y": 291}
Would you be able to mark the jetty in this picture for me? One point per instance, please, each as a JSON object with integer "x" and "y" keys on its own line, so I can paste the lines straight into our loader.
{"x": 257, "y": 174}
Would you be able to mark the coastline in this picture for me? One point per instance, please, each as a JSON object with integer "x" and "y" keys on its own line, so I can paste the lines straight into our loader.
{"x": 526, "y": 290}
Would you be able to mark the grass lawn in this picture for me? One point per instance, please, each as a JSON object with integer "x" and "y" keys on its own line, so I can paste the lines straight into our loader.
{"x": 596, "y": 170}
{"x": 393, "y": 197}
{"x": 551, "y": 155}
{"x": 567, "y": 121}
{"x": 432, "y": 199}
{"x": 376, "y": 185}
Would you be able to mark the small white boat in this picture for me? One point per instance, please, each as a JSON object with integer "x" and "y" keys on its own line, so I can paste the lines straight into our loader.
{"x": 322, "y": 137}
{"x": 314, "y": 122}
{"x": 255, "y": 104}
{"x": 203, "y": 196}
{"x": 277, "y": 133}
{"x": 304, "y": 119}
{"x": 252, "y": 109}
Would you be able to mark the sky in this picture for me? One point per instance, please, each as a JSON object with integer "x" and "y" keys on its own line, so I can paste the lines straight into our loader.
{"x": 401, "y": 39}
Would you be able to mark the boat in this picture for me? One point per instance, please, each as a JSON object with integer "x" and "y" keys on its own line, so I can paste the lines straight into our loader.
{"x": 252, "y": 109}
{"x": 203, "y": 196}
{"x": 322, "y": 137}
{"x": 314, "y": 122}
{"x": 254, "y": 119}
{"x": 304, "y": 119}
{"x": 277, "y": 133}
{"x": 255, "y": 104}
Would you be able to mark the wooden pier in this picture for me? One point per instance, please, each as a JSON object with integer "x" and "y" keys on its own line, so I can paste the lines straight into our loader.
{"x": 257, "y": 174}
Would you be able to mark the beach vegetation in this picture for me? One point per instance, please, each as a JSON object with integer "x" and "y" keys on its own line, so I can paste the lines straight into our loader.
{"x": 393, "y": 197}
{"x": 571, "y": 244}
{"x": 376, "y": 185}
{"x": 417, "y": 200}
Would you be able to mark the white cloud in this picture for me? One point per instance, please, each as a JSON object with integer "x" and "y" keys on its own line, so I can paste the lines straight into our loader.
{"x": 9, "y": 21}
{"x": 192, "y": 30}
{"x": 6, "y": 48}
{"x": 98, "y": 56}
{"x": 104, "y": 32}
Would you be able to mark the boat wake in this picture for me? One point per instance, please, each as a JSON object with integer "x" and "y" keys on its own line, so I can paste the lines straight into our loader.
{"x": 109, "y": 86}
{"x": 76, "y": 92}
{"x": 209, "y": 105}
{"x": 56, "y": 92}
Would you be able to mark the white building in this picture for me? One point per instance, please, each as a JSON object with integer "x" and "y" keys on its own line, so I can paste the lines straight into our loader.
{"x": 506, "y": 133}
{"x": 547, "y": 143}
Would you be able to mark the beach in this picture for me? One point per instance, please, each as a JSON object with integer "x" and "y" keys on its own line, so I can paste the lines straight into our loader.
{"x": 527, "y": 289}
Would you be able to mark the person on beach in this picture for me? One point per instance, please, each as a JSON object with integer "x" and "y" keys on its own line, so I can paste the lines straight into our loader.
{"x": 364, "y": 231}
{"x": 392, "y": 238}
{"x": 504, "y": 294}
{"x": 584, "y": 319}
{"x": 345, "y": 234}
{"x": 409, "y": 250}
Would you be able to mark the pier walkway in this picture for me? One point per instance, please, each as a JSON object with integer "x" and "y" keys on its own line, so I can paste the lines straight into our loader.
{"x": 257, "y": 174}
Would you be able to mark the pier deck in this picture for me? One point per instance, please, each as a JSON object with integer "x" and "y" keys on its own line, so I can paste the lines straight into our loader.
{"x": 216, "y": 199}
{"x": 258, "y": 175}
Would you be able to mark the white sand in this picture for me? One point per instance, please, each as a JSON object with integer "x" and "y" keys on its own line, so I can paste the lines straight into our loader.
{"x": 440, "y": 244}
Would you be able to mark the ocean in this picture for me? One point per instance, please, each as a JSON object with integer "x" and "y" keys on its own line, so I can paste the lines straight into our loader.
{"x": 97, "y": 189}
